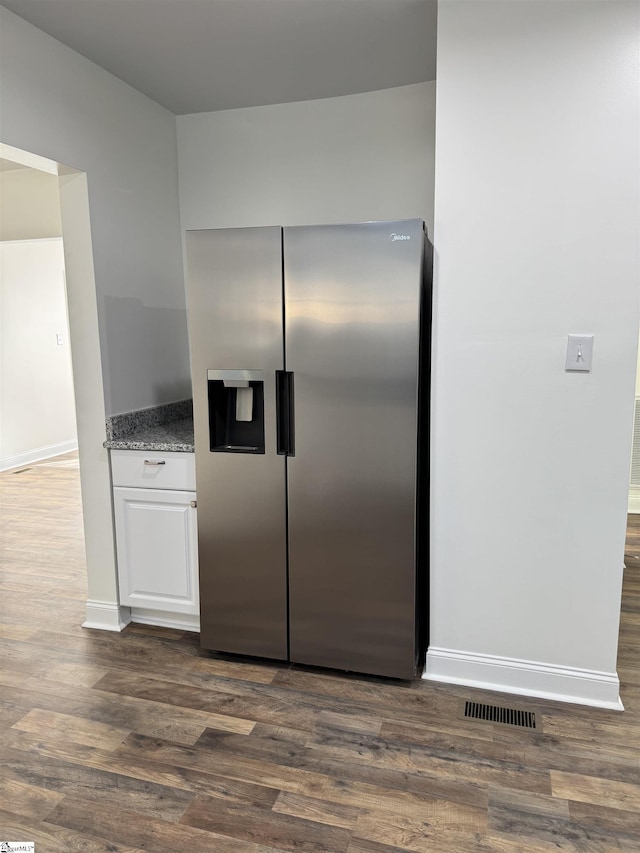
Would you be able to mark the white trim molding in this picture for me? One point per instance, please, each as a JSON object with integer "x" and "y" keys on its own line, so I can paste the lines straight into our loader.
{"x": 634, "y": 499}
{"x": 37, "y": 455}
{"x": 165, "y": 619}
{"x": 525, "y": 678}
{"x": 106, "y": 616}
{"x": 28, "y": 160}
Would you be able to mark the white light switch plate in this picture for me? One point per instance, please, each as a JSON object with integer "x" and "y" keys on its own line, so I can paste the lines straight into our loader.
{"x": 579, "y": 353}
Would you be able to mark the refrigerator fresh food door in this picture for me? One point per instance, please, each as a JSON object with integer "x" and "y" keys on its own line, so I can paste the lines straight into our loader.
{"x": 235, "y": 327}
{"x": 352, "y": 330}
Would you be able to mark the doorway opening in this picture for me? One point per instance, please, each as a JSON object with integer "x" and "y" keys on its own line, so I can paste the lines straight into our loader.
{"x": 74, "y": 327}
{"x": 37, "y": 405}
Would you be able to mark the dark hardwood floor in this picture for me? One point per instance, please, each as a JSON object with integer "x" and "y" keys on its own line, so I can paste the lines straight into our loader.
{"x": 141, "y": 742}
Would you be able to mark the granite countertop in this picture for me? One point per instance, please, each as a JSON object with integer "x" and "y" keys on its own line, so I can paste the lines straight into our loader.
{"x": 168, "y": 427}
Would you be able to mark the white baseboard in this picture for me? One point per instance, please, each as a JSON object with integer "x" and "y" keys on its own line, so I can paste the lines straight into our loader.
{"x": 37, "y": 455}
{"x": 106, "y": 616}
{"x": 634, "y": 500}
{"x": 165, "y": 619}
{"x": 524, "y": 678}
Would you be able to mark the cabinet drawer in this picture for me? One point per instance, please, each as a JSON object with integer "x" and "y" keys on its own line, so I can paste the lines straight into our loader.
{"x": 148, "y": 469}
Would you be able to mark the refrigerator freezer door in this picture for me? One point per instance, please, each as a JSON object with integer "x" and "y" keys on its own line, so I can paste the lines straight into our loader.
{"x": 352, "y": 321}
{"x": 235, "y": 324}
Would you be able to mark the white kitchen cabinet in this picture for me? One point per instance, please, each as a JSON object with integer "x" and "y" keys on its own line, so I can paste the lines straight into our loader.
{"x": 156, "y": 536}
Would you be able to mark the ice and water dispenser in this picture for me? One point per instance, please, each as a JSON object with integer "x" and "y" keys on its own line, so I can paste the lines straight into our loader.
{"x": 236, "y": 411}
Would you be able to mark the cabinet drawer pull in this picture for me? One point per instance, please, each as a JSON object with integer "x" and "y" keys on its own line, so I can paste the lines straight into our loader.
{"x": 153, "y": 462}
{"x": 193, "y": 504}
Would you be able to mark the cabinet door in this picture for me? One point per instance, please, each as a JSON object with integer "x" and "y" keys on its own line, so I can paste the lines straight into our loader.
{"x": 157, "y": 549}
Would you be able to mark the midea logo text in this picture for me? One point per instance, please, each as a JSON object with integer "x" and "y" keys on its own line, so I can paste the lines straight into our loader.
{"x": 395, "y": 237}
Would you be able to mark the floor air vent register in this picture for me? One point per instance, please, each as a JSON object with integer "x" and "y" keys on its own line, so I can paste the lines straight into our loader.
{"x": 497, "y": 714}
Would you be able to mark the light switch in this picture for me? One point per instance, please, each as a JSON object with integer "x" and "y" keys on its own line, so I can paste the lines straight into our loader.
{"x": 579, "y": 353}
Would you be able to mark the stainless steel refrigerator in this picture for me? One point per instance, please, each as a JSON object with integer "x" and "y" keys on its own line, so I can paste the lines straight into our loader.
{"x": 310, "y": 361}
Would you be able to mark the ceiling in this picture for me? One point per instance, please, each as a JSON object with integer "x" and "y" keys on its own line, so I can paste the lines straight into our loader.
{"x": 202, "y": 55}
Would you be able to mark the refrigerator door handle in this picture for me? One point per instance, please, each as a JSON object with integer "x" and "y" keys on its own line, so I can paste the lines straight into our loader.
{"x": 282, "y": 421}
{"x": 291, "y": 415}
{"x": 285, "y": 425}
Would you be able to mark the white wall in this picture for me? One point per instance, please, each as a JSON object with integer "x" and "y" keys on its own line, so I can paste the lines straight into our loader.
{"x": 122, "y": 253}
{"x": 29, "y": 205}
{"x": 634, "y": 487}
{"x": 536, "y": 236}
{"x": 57, "y": 104}
{"x": 346, "y": 159}
{"x": 102, "y": 609}
{"x": 37, "y": 411}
